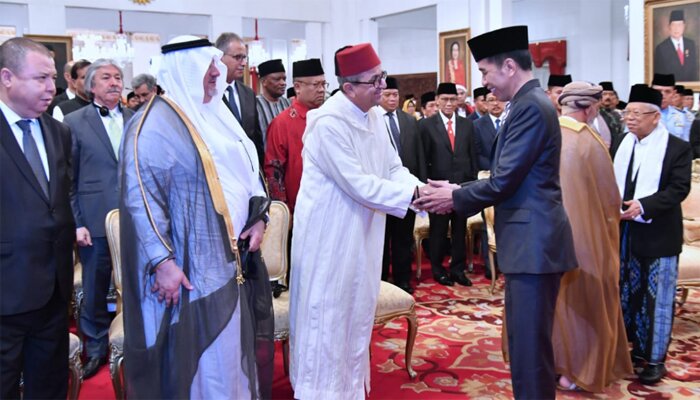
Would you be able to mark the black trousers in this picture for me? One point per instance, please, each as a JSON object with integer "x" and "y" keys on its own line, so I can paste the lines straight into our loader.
{"x": 530, "y": 300}
{"x": 35, "y": 343}
{"x": 94, "y": 317}
{"x": 398, "y": 242}
{"x": 439, "y": 224}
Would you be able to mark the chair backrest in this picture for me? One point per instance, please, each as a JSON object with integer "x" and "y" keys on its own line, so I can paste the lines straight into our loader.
{"x": 691, "y": 204}
{"x": 489, "y": 215}
{"x": 274, "y": 245}
{"x": 112, "y": 230}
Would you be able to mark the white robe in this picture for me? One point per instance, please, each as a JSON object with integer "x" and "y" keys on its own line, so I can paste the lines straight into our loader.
{"x": 352, "y": 178}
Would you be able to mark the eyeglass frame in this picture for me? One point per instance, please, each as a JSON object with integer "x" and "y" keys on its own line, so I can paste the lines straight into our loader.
{"x": 324, "y": 84}
{"x": 636, "y": 113}
{"x": 377, "y": 82}
{"x": 238, "y": 57}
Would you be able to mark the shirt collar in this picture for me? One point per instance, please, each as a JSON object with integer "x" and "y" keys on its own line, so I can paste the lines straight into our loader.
{"x": 300, "y": 108}
{"x": 445, "y": 119}
{"x": 11, "y": 116}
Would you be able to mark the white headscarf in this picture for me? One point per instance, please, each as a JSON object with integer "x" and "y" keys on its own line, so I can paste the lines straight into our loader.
{"x": 181, "y": 73}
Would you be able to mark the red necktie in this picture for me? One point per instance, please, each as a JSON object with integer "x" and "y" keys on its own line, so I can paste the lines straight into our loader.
{"x": 451, "y": 134}
{"x": 680, "y": 53}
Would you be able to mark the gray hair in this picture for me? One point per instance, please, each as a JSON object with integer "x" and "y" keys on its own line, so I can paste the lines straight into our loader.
{"x": 349, "y": 79}
{"x": 92, "y": 71}
{"x": 13, "y": 52}
{"x": 141, "y": 79}
{"x": 223, "y": 41}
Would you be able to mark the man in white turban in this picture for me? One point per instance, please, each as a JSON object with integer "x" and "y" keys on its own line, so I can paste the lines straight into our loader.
{"x": 198, "y": 321}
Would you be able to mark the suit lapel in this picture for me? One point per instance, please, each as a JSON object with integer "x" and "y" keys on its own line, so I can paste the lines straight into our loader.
{"x": 9, "y": 143}
{"x": 99, "y": 130}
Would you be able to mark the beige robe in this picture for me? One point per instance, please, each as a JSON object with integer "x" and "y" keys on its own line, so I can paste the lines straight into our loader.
{"x": 589, "y": 340}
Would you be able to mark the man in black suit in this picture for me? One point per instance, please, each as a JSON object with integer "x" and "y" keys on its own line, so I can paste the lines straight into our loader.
{"x": 652, "y": 170}
{"x": 97, "y": 132}
{"x": 533, "y": 235}
{"x": 485, "y": 129}
{"x": 69, "y": 93}
{"x": 677, "y": 55}
{"x": 448, "y": 144}
{"x": 81, "y": 99}
{"x": 480, "y": 106}
{"x": 403, "y": 133}
{"x": 239, "y": 98}
{"x": 428, "y": 106}
{"x": 37, "y": 229}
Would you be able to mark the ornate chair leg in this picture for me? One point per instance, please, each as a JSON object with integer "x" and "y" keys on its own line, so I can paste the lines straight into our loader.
{"x": 76, "y": 378}
{"x": 493, "y": 271}
{"x": 419, "y": 256}
{"x": 410, "y": 341}
{"x": 116, "y": 372}
{"x": 285, "y": 356}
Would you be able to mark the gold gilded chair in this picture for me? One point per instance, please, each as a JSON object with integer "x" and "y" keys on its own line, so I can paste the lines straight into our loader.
{"x": 489, "y": 216}
{"x": 274, "y": 252}
{"x": 689, "y": 260}
{"x": 78, "y": 295}
{"x": 393, "y": 302}
{"x": 421, "y": 231}
{"x": 475, "y": 224}
{"x": 75, "y": 347}
{"x": 116, "y": 329}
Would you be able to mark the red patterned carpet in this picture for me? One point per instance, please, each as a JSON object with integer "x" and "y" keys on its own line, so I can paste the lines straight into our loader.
{"x": 458, "y": 352}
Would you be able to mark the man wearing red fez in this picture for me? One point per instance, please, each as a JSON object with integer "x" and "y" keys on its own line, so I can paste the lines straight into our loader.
{"x": 352, "y": 178}
{"x": 533, "y": 235}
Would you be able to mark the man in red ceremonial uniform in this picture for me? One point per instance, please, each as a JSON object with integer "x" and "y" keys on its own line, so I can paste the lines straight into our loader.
{"x": 283, "y": 163}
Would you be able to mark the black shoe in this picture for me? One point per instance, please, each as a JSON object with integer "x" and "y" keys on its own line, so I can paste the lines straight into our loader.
{"x": 444, "y": 280}
{"x": 92, "y": 366}
{"x": 406, "y": 287}
{"x": 652, "y": 374}
{"x": 461, "y": 279}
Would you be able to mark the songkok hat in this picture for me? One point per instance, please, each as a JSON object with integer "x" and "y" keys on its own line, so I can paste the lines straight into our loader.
{"x": 357, "y": 59}
{"x": 558, "y": 80}
{"x": 480, "y": 91}
{"x": 621, "y": 105}
{"x": 499, "y": 41}
{"x": 426, "y": 98}
{"x": 688, "y": 92}
{"x": 310, "y": 67}
{"x": 676, "y": 15}
{"x": 392, "y": 83}
{"x": 191, "y": 44}
{"x": 607, "y": 86}
{"x": 270, "y": 67}
{"x": 446, "y": 88}
{"x": 679, "y": 89}
{"x": 641, "y": 93}
{"x": 580, "y": 94}
{"x": 664, "y": 80}
{"x": 291, "y": 92}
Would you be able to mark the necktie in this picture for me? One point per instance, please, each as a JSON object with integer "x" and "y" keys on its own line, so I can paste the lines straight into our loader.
{"x": 680, "y": 53}
{"x": 394, "y": 132}
{"x": 232, "y": 103}
{"x": 31, "y": 152}
{"x": 451, "y": 134}
{"x": 498, "y": 123}
{"x": 116, "y": 126}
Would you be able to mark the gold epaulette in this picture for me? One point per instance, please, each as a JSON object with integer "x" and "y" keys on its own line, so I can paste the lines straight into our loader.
{"x": 571, "y": 124}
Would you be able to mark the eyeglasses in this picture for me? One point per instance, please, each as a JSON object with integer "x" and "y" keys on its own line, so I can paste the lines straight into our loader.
{"x": 376, "y": 81}
{"x": 237, "y": 57}
{"x": 635, "y": 113}
{"x": 316, "y": 85}
{"x": 447, "y": 99}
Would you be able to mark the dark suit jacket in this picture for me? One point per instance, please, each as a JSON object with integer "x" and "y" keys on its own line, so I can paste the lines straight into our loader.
{"x": 249, "y": 117}
{"x": 56, "y": 101}
{"x": 484, "y": 136}
{"x": 95, "y": 187}
{"x": 72, "y": 105}
{"x": 533, "y": 234}
{"x": 695, "y": 138}
{"x": 663, "y": 237}
{"x": 474, "y": 116}
{"x": 412, "y": 155}
{"x": 36, "y": 233}
{"x": 455, "y": 166}
{"x": 666, "y": 60}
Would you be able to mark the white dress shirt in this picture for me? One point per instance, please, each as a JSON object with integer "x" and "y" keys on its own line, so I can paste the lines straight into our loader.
{"x": 12, "y": 119}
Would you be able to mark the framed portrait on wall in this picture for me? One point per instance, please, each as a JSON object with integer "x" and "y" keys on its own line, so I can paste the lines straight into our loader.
{"x": 455, "y": 58}
{"x": 672, "y": 36}
{"x": 62, "y": 49}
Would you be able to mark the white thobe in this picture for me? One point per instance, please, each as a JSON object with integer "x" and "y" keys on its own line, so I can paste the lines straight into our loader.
{"x": 352, "y": 178}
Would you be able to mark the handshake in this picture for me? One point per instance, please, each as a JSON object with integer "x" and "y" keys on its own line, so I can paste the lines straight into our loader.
{"x": 435, "y": 197}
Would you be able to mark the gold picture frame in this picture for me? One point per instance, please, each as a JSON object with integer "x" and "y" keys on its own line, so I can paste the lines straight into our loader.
{"x": 62, "y": 49}
{"x": 660, "y": 55}
{"x": 456, "y": 70}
